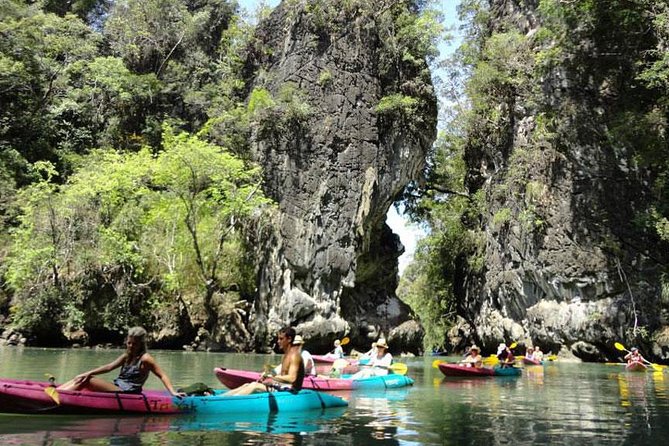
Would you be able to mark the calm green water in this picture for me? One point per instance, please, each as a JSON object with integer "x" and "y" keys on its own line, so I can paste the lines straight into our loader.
{"x": 557, "y": 404}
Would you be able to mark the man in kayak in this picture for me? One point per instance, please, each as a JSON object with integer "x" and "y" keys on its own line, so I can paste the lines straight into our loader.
{"x": 538, "y": 354}
{"x": 292, "y": 369}
{"x": 473, "y": 359}
{"x": 307, "y": 359}
{"x": 506, "y": 358}
{"x": 634, "y": 356}
{"x": 135, "y": 365}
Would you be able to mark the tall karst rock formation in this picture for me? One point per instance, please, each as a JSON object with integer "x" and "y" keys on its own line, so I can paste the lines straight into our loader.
{"x": 335, "y": 160}
{"x": 564, "y": 154}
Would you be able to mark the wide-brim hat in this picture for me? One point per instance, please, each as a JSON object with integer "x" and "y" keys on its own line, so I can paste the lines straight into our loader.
{"x": 298, "y": 340}
{"x": 381, "y": 343}
{"x": 474, "y": 347}
{"x": 337, "y": 342}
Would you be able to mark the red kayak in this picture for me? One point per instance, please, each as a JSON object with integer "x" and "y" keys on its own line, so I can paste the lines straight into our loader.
{"x": 463, "y": 370}
{"x": 234, "y": 378}
{"x": 528, "y": 361}
{"x": 635, "y": 366}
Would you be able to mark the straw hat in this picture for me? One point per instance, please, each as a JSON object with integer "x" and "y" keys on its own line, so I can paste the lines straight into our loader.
{"x": 298, "y": 340}
{"x": 475, "y": 347}
{"x": 381, "y": 343}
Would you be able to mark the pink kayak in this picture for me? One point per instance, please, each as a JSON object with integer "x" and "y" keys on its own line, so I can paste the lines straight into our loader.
{"x": 324, "y": 364}
{"x": 528, "y": 361}
{"x": 635, "y": 366}
{"x": 234, "y": 378}
{"x": 329, "y": 359}
{"x": 20, "y": 396}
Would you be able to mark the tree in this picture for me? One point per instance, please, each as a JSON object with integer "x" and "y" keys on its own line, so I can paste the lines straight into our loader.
{"x": 129, "y": 228}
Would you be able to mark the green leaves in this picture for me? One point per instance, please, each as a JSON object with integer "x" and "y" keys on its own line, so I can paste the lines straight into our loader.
{"x": 176, "y": 218}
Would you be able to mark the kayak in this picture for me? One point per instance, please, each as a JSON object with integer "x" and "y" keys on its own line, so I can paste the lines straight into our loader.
{"x": 636, "y": 366}
{"x": 324, "y": 364}
{"x": 508, "y": 371}
{"x": 234, "y": 378}
{"x": 528, "y": 361}
{"x": 328, "y": 359}
{"x": 17, "y": 396}
{"x": 462, "y": 370}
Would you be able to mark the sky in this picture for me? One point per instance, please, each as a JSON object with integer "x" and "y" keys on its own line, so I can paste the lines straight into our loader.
{"x": 409, "y": 233}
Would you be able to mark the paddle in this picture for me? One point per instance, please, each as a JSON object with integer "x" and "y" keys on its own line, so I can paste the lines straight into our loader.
{"x": 345, "y": 340}
{"x": 51, "y": 390}
{"x": 397, "y": 368}
{"x": 655, "y": 367}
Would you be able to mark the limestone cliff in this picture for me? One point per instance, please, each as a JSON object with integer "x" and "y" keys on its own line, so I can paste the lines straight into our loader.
{"x": 335, "y": 162}
{"x": 569, "y": 262}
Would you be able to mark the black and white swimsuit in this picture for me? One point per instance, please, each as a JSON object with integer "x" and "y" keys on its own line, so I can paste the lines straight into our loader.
{"x": 132, "y": 377}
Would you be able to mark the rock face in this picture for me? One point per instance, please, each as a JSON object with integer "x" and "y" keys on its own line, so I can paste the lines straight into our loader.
{"x": 334, "y": 167}
{"x": 569, "y": 267}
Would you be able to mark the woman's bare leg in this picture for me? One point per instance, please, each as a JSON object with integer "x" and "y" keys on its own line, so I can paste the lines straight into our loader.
{"x": 93, "y": 384}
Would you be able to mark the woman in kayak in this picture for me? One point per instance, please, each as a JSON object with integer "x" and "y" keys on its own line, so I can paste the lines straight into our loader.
{"x": 473, "y": 359}
{"x": 378, "y": 365}
{"x": 530, "y": 354}
{"x": 135, "y": 365}
{"x": 634, "y": 356}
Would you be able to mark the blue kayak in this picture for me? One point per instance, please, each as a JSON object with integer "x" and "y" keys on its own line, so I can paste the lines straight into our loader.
{"x": 507, "y": 371}
{"x": 390, "y": 381}
{"x": 268, "y": 402}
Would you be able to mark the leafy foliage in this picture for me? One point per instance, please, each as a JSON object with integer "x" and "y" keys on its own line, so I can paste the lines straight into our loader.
{"x": 177, "y": 219}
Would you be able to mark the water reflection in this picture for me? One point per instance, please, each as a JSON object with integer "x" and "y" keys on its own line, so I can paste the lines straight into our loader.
{"x": 280, "y": 428}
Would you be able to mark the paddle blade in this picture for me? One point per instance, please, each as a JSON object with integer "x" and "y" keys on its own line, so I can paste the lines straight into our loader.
{"x": 345, "y": 341}
{"x": 53, "y": 393}
{"x": 620, "y": 347}
{"x": 513, "y": 345}
{"x": 656, "y": 367}
{"x": 436, "y": 362}
{"x": 490, "y": 360}
{"x": 398, "y": 368}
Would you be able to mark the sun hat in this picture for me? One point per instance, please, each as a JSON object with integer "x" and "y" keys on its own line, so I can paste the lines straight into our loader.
{"x": 475, "y": 347}
{"x": 381, "y": 343}
{"x": 337, "y": 342}
{"x": 298, "y": 340}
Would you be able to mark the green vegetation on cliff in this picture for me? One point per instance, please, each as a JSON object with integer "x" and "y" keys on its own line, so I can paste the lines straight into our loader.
{"x": 541, "y": 83}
